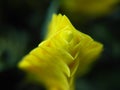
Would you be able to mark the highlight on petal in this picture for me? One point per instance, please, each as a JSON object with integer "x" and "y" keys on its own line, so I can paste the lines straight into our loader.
{"x": 64, "y": 54}
{"x": 58, "y": 23}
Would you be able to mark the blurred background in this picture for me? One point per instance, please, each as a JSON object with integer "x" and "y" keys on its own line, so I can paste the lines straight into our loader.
{"x": 22, "y": 27}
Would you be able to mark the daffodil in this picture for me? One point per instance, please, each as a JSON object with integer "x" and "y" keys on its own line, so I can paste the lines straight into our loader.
{"x": 64, "y": 54}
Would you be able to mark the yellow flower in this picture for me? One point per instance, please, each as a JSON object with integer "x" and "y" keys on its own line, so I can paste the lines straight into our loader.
{"x": 64, "y": 54}
{"x": 90, "y": 8}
